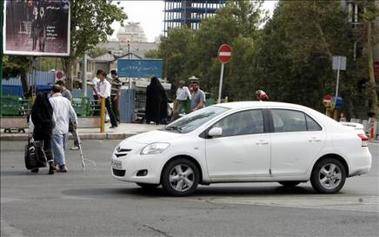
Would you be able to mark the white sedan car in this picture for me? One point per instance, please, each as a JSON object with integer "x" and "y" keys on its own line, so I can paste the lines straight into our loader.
{"x": 244, "y": 142}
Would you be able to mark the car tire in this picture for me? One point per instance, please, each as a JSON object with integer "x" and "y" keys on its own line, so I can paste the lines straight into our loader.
{"x": 328, "y": 176}
{"x": 180, "y": 177}
{"x": 289, "y": 184}
{"x": 147, "y": 187}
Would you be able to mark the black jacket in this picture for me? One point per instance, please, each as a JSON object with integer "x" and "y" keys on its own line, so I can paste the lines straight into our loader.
{"x": 42, "y": 118}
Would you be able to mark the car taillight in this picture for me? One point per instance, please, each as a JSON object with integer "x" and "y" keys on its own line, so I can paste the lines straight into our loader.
{"x": 364, "y": 139}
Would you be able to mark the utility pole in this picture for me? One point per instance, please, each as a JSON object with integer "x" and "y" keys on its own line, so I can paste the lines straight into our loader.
{"x": 371, "y": 83}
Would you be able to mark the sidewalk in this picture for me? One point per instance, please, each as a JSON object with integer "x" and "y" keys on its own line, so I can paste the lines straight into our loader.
{"x": 122, "y": 131}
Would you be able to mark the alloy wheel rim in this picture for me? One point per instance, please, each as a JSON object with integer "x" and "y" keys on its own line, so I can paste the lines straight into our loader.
{"x": 181, "y": 178}
{"x": 330, "y": 176}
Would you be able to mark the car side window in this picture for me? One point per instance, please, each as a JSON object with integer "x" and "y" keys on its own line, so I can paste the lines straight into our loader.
{"x": 242, "y": 123}
{"x": 312, "y": 125}
{"x": 288, "y": 120}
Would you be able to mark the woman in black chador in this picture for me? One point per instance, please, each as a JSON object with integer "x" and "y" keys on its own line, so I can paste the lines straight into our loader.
{"x": 156, "y": 102}
{"x": 42, "y": 118}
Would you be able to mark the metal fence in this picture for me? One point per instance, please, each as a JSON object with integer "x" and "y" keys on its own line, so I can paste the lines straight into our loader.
{"x": 42, "y": 80}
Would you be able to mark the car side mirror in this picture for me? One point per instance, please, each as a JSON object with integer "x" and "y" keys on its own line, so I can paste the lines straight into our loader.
{"x": 215, "y": 132}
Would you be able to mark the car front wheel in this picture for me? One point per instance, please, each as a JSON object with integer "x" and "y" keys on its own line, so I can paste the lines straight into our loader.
{"x": 180, "y": 177}
{"x": 328, "y": 176}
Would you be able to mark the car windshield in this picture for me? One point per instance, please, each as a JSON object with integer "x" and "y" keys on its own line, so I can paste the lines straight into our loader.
{"x": 195, "y": 119}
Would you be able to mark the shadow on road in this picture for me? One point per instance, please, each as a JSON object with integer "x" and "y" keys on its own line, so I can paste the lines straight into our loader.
{"x": 201, "y": 192}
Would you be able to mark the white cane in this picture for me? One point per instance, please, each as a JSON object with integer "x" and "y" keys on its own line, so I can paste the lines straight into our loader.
{"x": 80, "y": 148}
{"x": 81, "y": 151}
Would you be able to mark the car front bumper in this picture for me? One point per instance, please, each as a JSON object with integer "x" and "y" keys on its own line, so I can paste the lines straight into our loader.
{"x": 130, "y": 167}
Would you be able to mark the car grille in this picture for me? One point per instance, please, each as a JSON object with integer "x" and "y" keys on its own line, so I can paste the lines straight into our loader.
{"x": 119, "y": 173}
{"x": 122, "y": 152}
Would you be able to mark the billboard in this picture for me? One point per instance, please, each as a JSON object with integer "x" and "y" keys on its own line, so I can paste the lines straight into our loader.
{"x": 139, "y": 68}
{"x": 36, "y": 27}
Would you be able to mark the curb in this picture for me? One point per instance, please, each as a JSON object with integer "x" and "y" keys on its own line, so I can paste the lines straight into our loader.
{"x": 83, "y": 136}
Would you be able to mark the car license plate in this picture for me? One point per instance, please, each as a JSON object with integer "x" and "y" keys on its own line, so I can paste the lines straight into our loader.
{"x": 116, "y": 164}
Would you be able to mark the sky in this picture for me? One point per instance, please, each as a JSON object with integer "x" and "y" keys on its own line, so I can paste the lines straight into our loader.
{"x": 150, "y": 15}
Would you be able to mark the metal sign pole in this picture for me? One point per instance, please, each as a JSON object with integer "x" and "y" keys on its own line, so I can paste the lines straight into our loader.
{"x": 84, "y": 80}
{"x": 338, "y": 77}
{"x": 220, "y": 86}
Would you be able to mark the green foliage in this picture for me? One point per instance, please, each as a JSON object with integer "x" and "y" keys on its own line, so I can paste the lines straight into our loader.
{"x": 91, "y": 22}
{"x": 96, "y": 52}
{"x": 296, "y": 48}
{"x": 153, "y": 53}
{"x": 187, "y": 52}
{"x": 289, "y": 58}
{"x": 15, "y": 65}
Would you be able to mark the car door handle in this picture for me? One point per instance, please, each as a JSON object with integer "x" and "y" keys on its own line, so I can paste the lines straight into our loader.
{"x": 262, "y": 142}
{"x": 314, "y": 139}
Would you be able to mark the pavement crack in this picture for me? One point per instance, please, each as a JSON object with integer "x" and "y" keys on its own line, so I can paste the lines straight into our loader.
{"x": 157, "y": 230}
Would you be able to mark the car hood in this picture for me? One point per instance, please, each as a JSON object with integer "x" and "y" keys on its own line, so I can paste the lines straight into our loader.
{"x": 149, "y": 137}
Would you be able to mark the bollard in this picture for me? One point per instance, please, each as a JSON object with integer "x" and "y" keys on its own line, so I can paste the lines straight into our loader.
{"x": 102, "y": 114}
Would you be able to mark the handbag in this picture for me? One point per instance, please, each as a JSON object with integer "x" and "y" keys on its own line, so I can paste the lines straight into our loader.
{"x": 34, "y": 155}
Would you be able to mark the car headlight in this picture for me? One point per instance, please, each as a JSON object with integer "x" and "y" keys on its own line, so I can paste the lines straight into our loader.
{"x": 154, "y": 148}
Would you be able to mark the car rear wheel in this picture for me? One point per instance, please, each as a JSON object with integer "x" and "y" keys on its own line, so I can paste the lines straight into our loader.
{"x": 180, "y": 177}
{"x": 328, "y": 176}
{"x": 148, "y": 186}
{"x": 289, "y": 183}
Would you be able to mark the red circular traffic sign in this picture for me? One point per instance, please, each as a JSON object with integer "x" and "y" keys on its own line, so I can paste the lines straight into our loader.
{"x": 224, "y": 53}
{"x": 59, "y": 75}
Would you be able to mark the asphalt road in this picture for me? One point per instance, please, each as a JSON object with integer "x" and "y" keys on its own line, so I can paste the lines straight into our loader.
{"x": 92, "y": 203}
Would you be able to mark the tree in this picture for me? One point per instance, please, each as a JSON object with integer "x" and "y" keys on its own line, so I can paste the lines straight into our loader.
{"x": 14, "y": 66}
{"x": 295, "y": 51}
{"x": 369, "y": 16}
{"x": 96, "y": 52}
{"x": 90, "y": 24}
{"x": 152, "y": 53}
{"x": 187, "y": 52}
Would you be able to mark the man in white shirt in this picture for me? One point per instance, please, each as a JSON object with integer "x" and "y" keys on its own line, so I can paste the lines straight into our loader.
{"x": 103, "y": 89}
{"x": 63, "y": 113}
{"x": 183, "y": 96}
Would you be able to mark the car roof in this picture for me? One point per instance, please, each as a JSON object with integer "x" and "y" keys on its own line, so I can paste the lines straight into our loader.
{"x": 260, "y": 104}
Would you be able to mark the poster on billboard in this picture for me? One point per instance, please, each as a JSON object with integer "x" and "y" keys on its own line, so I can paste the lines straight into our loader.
{"x": 36, "y": 27}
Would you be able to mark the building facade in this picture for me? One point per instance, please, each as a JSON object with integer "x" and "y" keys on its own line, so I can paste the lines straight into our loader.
{"x": 188, "y": 12}
{"x": 131, "y": 32}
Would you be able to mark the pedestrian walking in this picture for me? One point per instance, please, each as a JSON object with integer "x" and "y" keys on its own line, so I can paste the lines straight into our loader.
{"x": 156, "y": 102}
{"x": 342, "y": 117}
{"x": 261, "y": 95}
{"x": 93, "y": 84}
{"x": 63, "y": 112}
{"x": 197, "y": 96}
{"x": 66, "y": 93}
{"x": 42, "y": 120}
{"x": 103, "y": 90}
{"x": 372, "y": 126}
{"x": 115, "y": 94}
{"x": 183, "y": 97}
